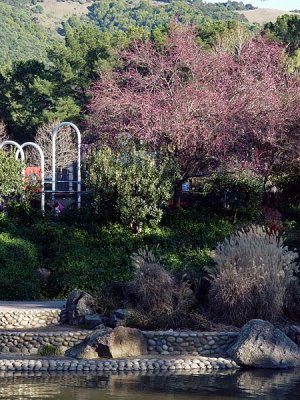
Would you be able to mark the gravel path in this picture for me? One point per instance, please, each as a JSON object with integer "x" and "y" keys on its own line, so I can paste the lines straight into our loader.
{"x": 30, "y": 305}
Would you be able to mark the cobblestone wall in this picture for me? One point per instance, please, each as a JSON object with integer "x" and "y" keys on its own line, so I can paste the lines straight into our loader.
{"x": 188, "y": 342}
{"x": 27, "y": 319}
{"x": 33, "y": 342}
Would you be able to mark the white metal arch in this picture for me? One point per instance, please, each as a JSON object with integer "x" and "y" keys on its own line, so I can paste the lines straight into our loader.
{"x": 42, "y": 157}
{"x": 19, "y": 148}
{"x": 55, "y": 131}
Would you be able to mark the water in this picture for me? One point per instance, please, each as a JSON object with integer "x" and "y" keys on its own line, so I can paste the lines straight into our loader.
{"x": 255, "y": 384}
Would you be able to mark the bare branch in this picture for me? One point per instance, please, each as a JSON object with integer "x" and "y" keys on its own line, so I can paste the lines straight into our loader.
{"x": 65, "y": 146}
{"x": 3, "y": 132}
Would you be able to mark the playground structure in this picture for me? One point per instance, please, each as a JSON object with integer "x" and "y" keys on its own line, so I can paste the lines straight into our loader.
{"x": 20, "y": 154}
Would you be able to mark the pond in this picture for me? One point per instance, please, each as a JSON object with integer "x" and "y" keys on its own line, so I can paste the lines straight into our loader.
{"x": 254, "y": 384}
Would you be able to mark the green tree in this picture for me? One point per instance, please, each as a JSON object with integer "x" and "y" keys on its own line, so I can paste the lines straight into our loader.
{"x": 286, "y": 29}
{"x": 11, "y": 183}
{"x": 34, "y": 92}
{"x": 121, "y": 14}
{"x": 20, "y": 37}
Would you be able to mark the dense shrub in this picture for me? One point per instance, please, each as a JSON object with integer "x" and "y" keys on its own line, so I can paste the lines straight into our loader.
{"x": 242, "y": 194}
{"x": 81, "y": 252}
{"x": 18, "y": 264}
{"x": 130, "y": 186}
{"x": 83, "y": 258}
{"x": 253, "y": 272}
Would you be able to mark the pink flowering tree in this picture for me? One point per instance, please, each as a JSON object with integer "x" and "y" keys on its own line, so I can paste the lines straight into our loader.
{"x": 208, "y": 109}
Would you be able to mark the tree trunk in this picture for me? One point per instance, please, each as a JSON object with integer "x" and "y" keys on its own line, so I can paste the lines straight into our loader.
{"x": 177, "y": 195}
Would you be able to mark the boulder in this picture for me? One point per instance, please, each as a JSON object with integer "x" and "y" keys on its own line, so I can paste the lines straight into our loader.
{"x": 261, "y": 345}
{"x": 79, "y": 304}
{"x": 127, "y": 342}
{"x": 87, "y": 353}
{"x": 43, "y": 274}
{"x": 107, "y": 343}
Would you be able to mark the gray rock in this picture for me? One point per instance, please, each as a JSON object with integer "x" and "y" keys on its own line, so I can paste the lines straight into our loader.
{"x": 118, "y": 318}
{"x": 88, "y": 353}
{"x": 113, "y": 321}
{"x": 101, "y": 326}
{"x": 93, "y": 320}
{"x": 121, "y": 313}
{"x": 294, "y": 334}
{"x": 79, "y": 304}
{"x": 261, "y": 345}
{"x": 98, "y": 341}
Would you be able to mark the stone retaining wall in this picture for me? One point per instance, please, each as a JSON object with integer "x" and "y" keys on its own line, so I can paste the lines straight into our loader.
{"x": 159, "y": 343}
{"x": 189, "y": 342}
{"x": 27, "y": 319}
{"x": 138, "y": 364}
{"x": 33, "y": 342}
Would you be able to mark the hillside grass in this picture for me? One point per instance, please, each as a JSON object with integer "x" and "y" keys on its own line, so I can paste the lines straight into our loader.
{"x": 57, "y": 12}
{"x": 263, "y": 15}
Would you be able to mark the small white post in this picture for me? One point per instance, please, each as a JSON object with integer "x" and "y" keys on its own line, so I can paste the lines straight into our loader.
{"x": 71, "y": 177}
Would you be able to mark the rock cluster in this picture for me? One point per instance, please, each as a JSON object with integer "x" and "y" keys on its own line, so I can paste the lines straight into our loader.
{"x": 79, "y": 305}
{"x": 81, "y": 309}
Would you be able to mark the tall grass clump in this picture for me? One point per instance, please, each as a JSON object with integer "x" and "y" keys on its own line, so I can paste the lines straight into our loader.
{"x": 253, "y": 272}
{"x": 160, "y": 301}
{"x": 155, "y": 289}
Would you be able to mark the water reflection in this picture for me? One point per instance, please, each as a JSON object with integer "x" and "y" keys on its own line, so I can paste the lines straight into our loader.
{"x": 225, "y": 385}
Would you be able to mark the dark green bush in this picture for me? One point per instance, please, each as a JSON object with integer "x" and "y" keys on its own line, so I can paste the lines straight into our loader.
{"x": 50, "y": 350}
{"x": 90, "y": 255}
{"x": 83, "y": 257}
{"x": 18, "y": 265}
{"x": 239, "y": 194}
